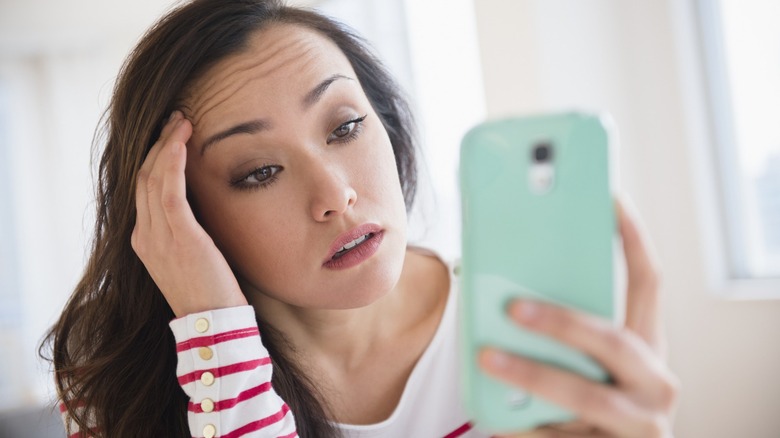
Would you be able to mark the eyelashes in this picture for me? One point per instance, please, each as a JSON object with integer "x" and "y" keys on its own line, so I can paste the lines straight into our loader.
{"x": 347, "y": 131}
{"x": 267, "y": 174}
{"x": 260, "y": 177}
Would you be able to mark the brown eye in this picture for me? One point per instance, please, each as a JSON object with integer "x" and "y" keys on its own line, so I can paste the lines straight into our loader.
{"x": 344, "y": 130}
{"x": 264, "y": 173}
{"x": 347, "y": 131}
{"x": 261, "y": 177}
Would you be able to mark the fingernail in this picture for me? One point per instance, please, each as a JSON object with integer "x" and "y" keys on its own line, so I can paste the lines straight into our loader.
{"x": 498, "y": 359}
{"x": 174, "y": 115}
{"x": 525, "y": 311}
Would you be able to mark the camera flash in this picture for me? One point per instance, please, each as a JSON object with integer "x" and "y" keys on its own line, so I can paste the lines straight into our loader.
{"x": 541, "y": 178}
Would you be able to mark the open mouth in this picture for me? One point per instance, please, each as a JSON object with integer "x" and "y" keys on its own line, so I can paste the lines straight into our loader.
{"x": 351, "y": 245}
{"x": 354, "y": 246}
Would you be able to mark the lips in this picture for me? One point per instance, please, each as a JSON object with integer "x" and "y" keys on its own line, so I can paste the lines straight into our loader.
{"x": 350, "y": 240}
{"x": 352, "y": 244}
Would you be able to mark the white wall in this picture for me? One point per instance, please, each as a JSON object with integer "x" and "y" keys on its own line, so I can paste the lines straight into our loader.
{"x": 57, "y": 64}
{"x": 636, "y": 59}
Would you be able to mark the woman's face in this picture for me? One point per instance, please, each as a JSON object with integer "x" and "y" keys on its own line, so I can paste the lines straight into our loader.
{"x": 287, "y": 164}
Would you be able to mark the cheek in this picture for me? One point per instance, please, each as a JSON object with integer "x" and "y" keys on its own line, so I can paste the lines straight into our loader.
{"x": 256, "y": 239}
{"x": 380, "y": 172}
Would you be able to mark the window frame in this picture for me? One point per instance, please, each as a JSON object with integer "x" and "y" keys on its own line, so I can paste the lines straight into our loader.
{"x": 720, "y": 183}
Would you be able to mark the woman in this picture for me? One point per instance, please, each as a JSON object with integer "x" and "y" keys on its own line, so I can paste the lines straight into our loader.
{"x": 257, "y": 171}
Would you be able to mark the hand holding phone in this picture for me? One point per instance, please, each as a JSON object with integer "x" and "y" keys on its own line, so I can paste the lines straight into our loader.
{"x": 538, "y": 223}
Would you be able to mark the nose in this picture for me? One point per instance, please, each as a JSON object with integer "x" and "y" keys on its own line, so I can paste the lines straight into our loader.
{"x": 332, "y": 195}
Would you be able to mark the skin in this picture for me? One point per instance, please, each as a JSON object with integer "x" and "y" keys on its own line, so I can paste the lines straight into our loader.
{"x": 358, "y": 331}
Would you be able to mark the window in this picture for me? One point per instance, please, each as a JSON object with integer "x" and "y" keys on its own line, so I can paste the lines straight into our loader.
{"x": 741, "y": 44}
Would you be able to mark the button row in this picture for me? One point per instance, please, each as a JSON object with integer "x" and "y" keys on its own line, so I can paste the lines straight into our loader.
{"x": 207, "y": 378}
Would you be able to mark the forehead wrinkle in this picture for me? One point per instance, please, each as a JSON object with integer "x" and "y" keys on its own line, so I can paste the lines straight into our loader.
{"x": 272, "y": 62}
{"x": 215, "y": 80}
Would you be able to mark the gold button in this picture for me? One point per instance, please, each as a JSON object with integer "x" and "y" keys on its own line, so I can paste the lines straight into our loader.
{"x": 207, "y": 378}
{"x": 209, "y": 431}
{"x": 201, "y": 325}
{"x": 205, "y": 353}
{"x": 207, "y": 405}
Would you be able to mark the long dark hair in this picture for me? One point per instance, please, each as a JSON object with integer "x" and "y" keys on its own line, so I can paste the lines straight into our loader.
{"x": 117, "y": 318}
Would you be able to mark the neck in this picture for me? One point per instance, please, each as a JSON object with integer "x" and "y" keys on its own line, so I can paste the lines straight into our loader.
{"x": 362, "y": 358}
{"x": 342, "y": 338}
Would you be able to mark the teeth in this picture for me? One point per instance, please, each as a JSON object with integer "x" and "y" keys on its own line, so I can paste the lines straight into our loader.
{"x": 354, "y": 243}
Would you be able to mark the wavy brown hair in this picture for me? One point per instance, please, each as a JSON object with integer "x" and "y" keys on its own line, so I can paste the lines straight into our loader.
{"x": 113, "y": 352}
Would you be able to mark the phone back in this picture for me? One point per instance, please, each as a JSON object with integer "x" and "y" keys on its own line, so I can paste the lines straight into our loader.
{"x": 538, "y": 222}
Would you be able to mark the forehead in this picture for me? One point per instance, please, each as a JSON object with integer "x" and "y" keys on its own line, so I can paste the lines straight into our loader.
{"x": 279, "y": 65}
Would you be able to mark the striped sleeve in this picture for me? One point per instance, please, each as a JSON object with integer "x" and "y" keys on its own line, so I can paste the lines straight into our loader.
{"x": 71, "y": 427}
{"x": 225, "y": 370}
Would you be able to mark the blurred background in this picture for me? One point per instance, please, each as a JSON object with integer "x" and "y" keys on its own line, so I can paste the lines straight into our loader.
{"x": 693, "y": 85}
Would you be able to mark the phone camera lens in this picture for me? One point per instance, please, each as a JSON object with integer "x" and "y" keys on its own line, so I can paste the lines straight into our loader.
{"x": 542, "y": 152}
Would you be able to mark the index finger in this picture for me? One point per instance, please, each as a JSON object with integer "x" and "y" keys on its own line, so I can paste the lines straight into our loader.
{"x": 643, "y": 300}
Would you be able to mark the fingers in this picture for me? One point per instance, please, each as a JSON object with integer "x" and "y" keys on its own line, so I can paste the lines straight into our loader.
{"x": 143, "y": 218}
{"x": 605, "y": 407}
{"x": 642, "y": 301}
{"x": 171, "y": 124}
{"x": 161, "y": 183}
{"x": 628, "y": 359}
{"x": 173, "y": 196}
{"x": 168, "y": 165}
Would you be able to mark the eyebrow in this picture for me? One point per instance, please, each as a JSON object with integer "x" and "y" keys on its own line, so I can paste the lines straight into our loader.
{"x": 315, "y": 94}
{"x": 251, "y": 127}
{"x": 255, "y": 126}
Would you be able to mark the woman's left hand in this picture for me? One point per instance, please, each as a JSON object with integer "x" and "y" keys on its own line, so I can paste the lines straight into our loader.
{"x": 641, "y": 400}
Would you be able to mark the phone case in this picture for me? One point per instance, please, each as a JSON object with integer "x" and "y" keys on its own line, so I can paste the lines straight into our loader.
{"x": 531, "y": 229}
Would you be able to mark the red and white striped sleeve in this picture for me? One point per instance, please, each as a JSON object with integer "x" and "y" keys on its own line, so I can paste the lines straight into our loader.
{"x": 226, "y": 371}
{"x": 71, "y": 427}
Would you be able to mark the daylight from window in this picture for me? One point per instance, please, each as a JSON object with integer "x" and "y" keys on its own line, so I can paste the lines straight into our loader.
{"x": 751, "y": 40}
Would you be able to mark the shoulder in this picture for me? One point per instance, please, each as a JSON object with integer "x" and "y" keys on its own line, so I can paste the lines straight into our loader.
{"x": 429, "y": 261}
{"x": 427, "y": 281}
{"x": 428, "y": 269}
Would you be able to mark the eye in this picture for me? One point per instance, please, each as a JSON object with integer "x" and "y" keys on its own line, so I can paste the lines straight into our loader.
{"x": 260, "y": 177}
{"x": 346, "y": 131}
{"x": 263, "y": 174}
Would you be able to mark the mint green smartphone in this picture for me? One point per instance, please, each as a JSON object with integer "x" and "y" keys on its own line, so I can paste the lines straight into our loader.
{"x": 538, "y": 222}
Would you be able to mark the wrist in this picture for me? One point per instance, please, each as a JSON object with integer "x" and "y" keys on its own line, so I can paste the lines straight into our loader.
{"x": 190, "y": 308}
